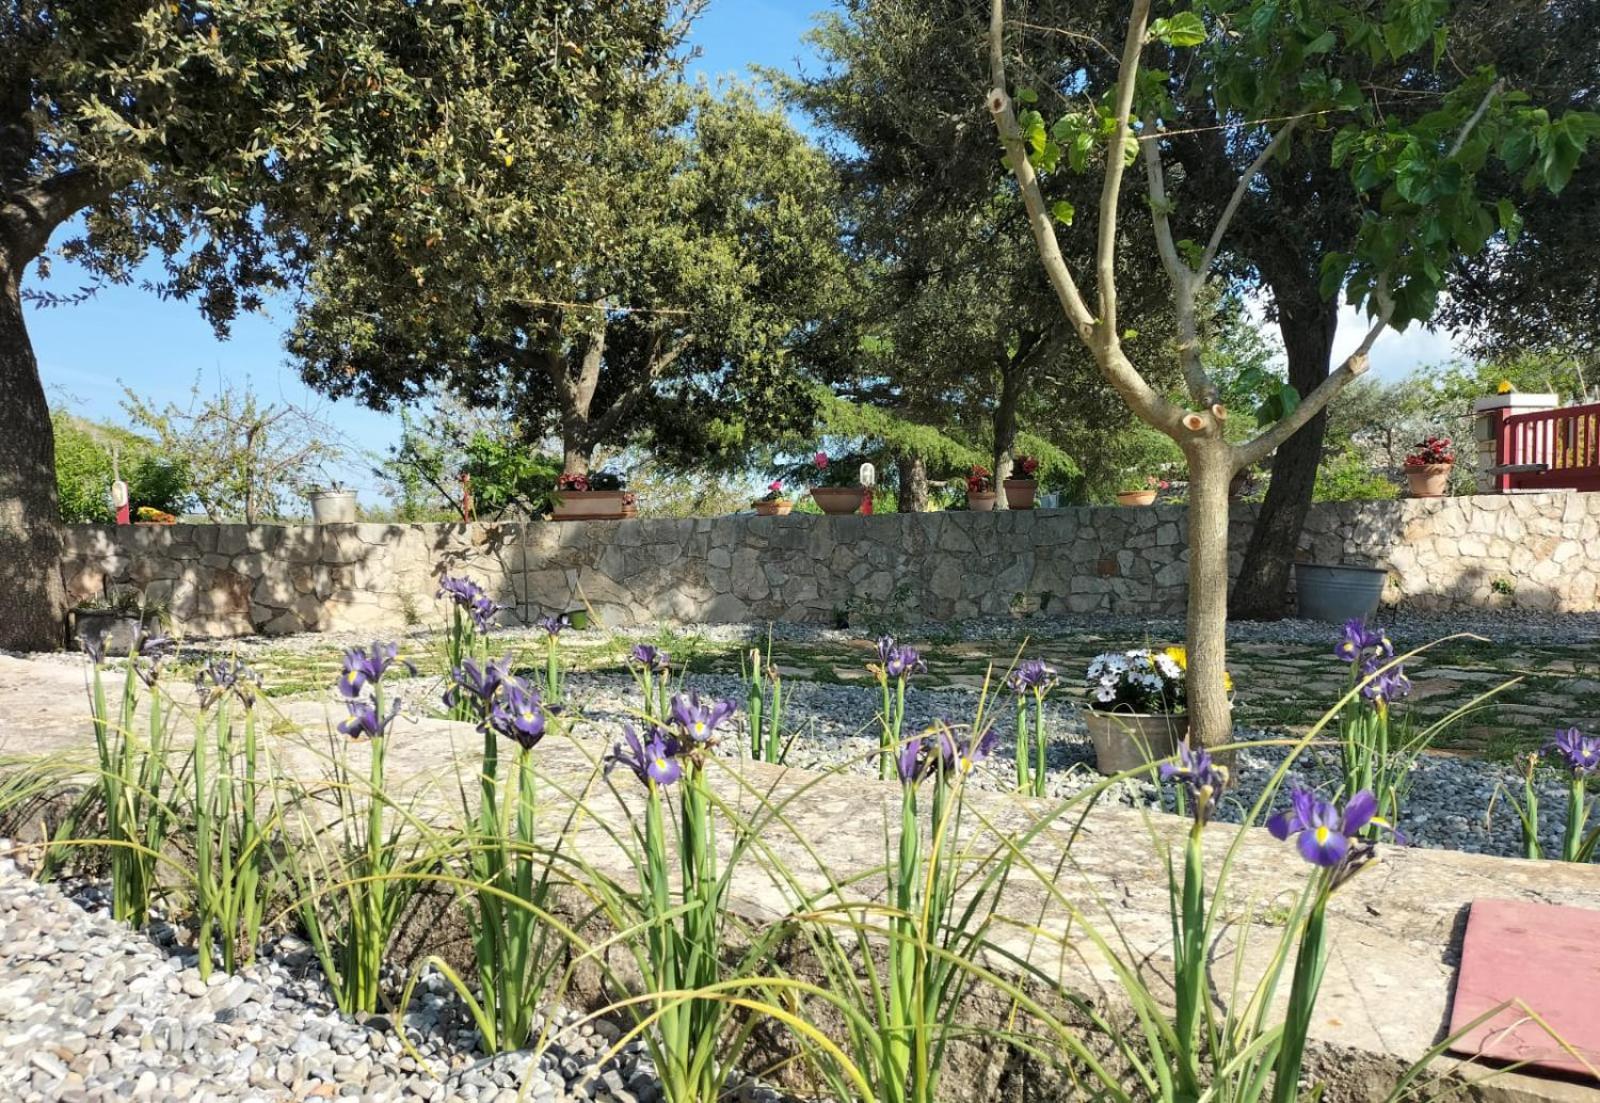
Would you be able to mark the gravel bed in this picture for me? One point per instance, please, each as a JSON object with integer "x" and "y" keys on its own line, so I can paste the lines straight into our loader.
{"x": 91, "y": 1010}
{"x": 1508, "y": 626}
{"x": 1455, "y": 802}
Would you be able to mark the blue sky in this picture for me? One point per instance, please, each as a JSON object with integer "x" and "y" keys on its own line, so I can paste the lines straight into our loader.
{"x": 126, "y": 335}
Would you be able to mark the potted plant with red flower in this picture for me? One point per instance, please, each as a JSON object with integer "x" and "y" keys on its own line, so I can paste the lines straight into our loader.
{"x": 980, "y": 489}
{"x": 1020, "y": 492}
{"x": 598, "y": 497}
{"x": 1428, "y": 467}
{"x": 835, "y": 488}
{"x": 773, "y": 503}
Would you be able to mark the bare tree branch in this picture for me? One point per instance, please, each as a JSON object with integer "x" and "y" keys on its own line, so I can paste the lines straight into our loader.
{"x": 1355, "y": 365}
{"x": 1103, "y": 343}
{"x": 1116, "y": 163}
{"x": 1477, "y": 116}
{"x": 1239, "y": 192}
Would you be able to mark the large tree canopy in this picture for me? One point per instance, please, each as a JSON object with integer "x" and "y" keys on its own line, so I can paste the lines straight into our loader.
{"x": 227, "y": 137}
{"x": 954, "y": 324}
{"x": 696, "y": 249}
{"x": 1252, "y": 75}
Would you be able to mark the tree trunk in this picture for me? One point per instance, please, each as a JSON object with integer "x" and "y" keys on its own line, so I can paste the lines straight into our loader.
{"x": 913, "y": 496}
{"x": 1005, "y": 426}
{"x": 574, "y": 455}
{"x": 33, "y": 603}
{"x": 1210, "y": 471}
{"x": 1262, "y": 589}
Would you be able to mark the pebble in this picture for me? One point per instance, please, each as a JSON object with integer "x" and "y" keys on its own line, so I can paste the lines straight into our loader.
{"x": 270, "y": 1032}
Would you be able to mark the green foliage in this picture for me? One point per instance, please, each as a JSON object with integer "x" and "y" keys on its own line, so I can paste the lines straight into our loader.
{"x": 1348, "y": 478}
{"x": 247, "y": 459}
{"x": 227, "y": 136}
{"x": 424, "y": 470}
{"x": 670, "y": 301}
{"x": 85, "y": 470}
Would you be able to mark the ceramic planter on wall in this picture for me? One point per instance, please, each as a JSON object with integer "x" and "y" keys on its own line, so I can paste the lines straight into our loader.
{"x": 1136, "y": 497}
{"x": 1428, "y": 480}
{"x": 594, "y": 505}
{"x": 779, "y": 508}
{"x": 1020, "y": 493}
{"x": 1128, "y": 740}
{"x": 333, "y": 507}
{"x": 983, "y": 501}
{"x": 837, "y": 501}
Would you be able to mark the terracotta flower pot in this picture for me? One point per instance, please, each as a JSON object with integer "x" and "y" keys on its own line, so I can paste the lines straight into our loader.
{"x": 982, "y": 501}
{"x": 837, "y": 501}
{"x": 1020, "y": 493}
{"x": 594, "y": 505}
{"x": 1128, "y": 740}
{"x": 1428, "y": 480}
{"x": 778, "y": 508}
{"x": 1135, "y": 497}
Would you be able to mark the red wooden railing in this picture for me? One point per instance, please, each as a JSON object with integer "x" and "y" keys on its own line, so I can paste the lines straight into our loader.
{"x": 1549, "y": 450}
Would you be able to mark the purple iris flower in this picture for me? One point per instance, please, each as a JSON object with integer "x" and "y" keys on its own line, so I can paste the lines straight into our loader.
{"x": 479, "y": 683}
{"x": 518, "y": 714}
{"x": 484, "y": 609}
{"x": 1203, "y": 778}
{"x": 957, "y": 755}
{"x": 219, "y": 677}
{"x": 650, "y": 658}
{"x": 461, "y": 590}
{"x": 653, "y": 759}
{"x": 905, "y": 661}
{"x": 1580, "y": 752}
{"x": 1032, "y": 676}
{"x": 364, "y": 722}
{"x": 912, "y": 763}
{"x": 1327, "y": 837}
{"x": 899, "y": 661}
{"x": 94, "y": 646}
{"x": 364, "y": 667}
{"x": 470, "y": 596}
{"x": 1383, "y": 686}
{"x": 554, "y": 625}
{"x": 1357, "y": 640}
{"x": 699, "y": 721}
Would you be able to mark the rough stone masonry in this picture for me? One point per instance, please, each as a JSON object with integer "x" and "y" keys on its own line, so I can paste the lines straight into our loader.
{"x": 1537, "y": 551}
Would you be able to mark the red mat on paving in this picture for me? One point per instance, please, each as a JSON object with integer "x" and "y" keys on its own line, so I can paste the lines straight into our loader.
{"x": 1548, "y": 957}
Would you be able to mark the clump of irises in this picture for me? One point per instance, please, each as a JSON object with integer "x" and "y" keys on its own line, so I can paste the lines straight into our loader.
{"x": 1376, "y": 754}
{"x": 553, "y": 625}
{"x": 229, "y": 840}
{"x": 763, "y": 705}
{"x": 350, "y": 935}
{"x": 1338, "y": 841}
{"x": 651, "y": 668}
{"x": 896, "y": 665}
{"x": 1578, "y": 757}
{"x": 472, "y": 617}
{"x": 1031, "y": 682}
{"x": 135, "y": 783}
{"x": 905, "y": 1018}
{"x": 511, "y": 883}
{"x": 682, "y": 949}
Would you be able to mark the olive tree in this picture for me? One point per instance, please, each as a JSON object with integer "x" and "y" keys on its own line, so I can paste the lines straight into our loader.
{"x": 1272, "y": 73}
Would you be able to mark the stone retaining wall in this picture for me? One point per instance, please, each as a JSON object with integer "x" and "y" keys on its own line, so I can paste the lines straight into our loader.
{"x": 1535, "y": 551}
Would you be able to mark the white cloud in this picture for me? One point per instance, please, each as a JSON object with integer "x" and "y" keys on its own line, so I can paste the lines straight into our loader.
{"x": 1396, "y": 353}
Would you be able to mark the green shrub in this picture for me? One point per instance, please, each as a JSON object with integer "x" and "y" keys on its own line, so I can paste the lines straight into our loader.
{"x": 1348, "y": 478}
{"x": 84, "y": 471}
